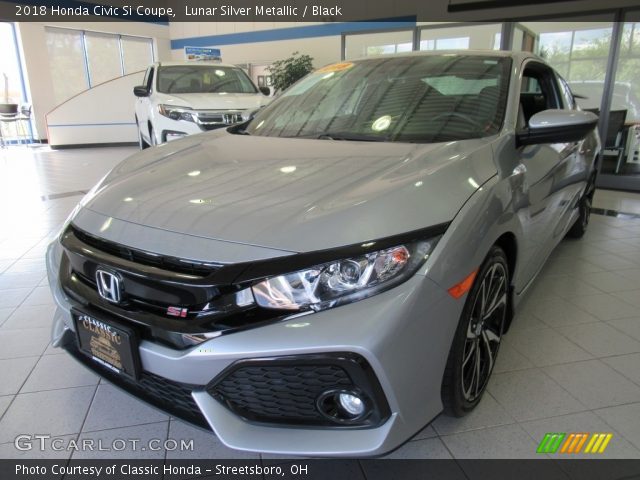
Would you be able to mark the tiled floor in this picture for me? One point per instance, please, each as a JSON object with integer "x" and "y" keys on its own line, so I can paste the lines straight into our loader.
{"x": 571, "y": 361}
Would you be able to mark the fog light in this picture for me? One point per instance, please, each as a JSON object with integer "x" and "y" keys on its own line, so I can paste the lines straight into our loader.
{"x": 352, "y": 404}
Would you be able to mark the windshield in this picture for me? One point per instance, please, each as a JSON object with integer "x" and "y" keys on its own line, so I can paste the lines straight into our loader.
{"x": 406, "y": 99}
{"x": 203, "y": 79}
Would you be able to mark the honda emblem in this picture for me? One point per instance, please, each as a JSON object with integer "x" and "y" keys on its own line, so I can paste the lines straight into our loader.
{"x": 109, "y": 286}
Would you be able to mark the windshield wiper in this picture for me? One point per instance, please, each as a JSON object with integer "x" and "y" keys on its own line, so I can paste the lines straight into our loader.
{"x": 356, "y": 137}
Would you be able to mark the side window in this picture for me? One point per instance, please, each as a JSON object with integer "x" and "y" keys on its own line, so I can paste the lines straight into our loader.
{"x": 567, "y": 96}
{"x": 538, "y": 92}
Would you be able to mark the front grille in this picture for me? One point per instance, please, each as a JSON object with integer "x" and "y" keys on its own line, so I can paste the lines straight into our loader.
{"x": 286, "y": 390}
{"x": 167, "y": 395}
{"x": 280, "y": 394}
{"x": 163, "y": 262}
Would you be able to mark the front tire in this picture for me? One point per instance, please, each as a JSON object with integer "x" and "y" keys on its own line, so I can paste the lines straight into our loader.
{"x": 477, "y": 339}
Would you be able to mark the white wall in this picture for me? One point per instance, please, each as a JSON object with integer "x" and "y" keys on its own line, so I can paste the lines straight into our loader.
{"x": 32, "y": 42}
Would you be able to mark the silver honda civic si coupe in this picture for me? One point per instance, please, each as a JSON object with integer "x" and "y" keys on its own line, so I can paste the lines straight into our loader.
{"x": 326, "y": 278}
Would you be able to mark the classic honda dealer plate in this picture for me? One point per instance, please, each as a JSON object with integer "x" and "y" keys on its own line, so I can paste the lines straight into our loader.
{"x": 115, "y": 347}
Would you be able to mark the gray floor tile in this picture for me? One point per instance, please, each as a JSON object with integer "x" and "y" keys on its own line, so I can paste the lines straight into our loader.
{"x": 624, "y": 419}
{"x": 14, "y": 296}
{"x": 40, "y": 296}
{"x": 525, "y": 320}
{"x": 547, "y": 347}
{"x": 23, "y": 343}
{"x": 631, "y": 297}
{"x": 629, "y": 326}
{"x": 64, "y": 413}
{"x": 4, "y": 403}
{"x": 556, "y": 311}
{"x": 569, "y": 265}
{"x": 609, "y": 282}
{"x": 610, "y": 261}
{"x": 137, "y": 442}
{"x": 509, "y": 359}
{"x": 5, "y": 313}
{"x": 627, "y": 365}
{"x": 53, "y": 448}
{"x": 28, "y": 265}
{"x": 40, "y": 316}
{"x": 583, "y": 422}
{"x": 594, "y": 383}
{"x": 605, "y": 306}
{"x": 563, "y": 286}
{"x": 426, "y": 432}
{"x": 600, "y": 339}
{"x": 14, "y": 372}
{"x": 58, "y": 371}
{"x": 430, "y": 448}
{"x": 488, "y": 413}
{"x": 113, "y": 408}
{"x": 206, "y": 444}
{"x": 20, "y": 280}
{"x": 530, "y": 394}
{"x": 507, "y": 441}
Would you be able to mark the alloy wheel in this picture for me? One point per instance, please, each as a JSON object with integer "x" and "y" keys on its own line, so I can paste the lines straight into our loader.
{"x": 484, "y": 331}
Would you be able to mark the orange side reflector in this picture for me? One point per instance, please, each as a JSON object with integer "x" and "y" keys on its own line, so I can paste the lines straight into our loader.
{"x": 464, "y": 286}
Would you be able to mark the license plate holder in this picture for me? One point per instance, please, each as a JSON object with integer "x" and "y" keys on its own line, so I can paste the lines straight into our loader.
{"x": 109, "y": 343}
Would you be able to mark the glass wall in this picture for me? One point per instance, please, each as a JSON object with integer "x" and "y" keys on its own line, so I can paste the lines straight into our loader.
{"x": 79, "y": 60}
{"x": 578, "y": 51}
{"x": 481, "y": 37}
{"x": 137, "y": 53}
{"x": 66, "y": 61}
{"x": 365, "y": 44}
{"x": 10, "y": 77}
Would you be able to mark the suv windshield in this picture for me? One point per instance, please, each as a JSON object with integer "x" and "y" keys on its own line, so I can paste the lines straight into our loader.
{"x": 203, "y": 79}
{"x": 406, "y": 99}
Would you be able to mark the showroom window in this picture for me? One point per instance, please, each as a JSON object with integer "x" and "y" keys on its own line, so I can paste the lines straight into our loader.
{"x": 10, "y": 73}
{"x": 367, "y": 44}
{"x": 578, "y": 50}
{"x": 481, "y": 37}
{"x": 81, "y": 59}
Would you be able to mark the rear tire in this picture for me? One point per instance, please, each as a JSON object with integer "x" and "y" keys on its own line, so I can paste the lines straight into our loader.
{"x": 477, "y": 338}
{"x": 579, "y": 228}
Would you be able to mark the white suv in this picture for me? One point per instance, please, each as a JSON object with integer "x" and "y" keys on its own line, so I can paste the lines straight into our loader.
{"x": 181, "y": 98}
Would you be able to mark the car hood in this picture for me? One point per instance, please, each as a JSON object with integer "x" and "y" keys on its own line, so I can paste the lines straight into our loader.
{"x": 216, "y": 101}
{"x": 292, "y": 194}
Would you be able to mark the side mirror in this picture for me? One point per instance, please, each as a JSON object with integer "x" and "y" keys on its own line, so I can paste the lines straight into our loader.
{"x": 265, "y": 91}
{"x": 141, "y": 91}
{"x": 557, "y": 126}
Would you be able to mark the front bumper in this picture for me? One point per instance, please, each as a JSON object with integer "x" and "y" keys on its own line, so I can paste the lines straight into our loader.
{"x": 404, "y": 334}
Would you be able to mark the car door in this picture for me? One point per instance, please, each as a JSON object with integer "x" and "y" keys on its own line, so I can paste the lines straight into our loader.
{"x": 144, "y": 104}
{"x": 550, "y": 171}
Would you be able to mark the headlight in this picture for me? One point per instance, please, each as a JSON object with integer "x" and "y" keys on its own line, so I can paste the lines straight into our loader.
{"x": 177, "y": 113}
{"x": 343, "y": 281}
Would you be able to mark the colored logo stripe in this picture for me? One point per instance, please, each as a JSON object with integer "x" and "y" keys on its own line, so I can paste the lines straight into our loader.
{"x": 550, "y": 443}
{"x": 598, "y": 443}
{"x": 574, "y": 442}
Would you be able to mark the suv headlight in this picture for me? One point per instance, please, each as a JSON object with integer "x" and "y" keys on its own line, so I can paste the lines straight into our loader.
{"x": 343, "y": 281}
{"x": 177, "y": 113}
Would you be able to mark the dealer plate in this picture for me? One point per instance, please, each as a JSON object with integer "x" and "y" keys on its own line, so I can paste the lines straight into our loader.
{"x": 113, "y": 346}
